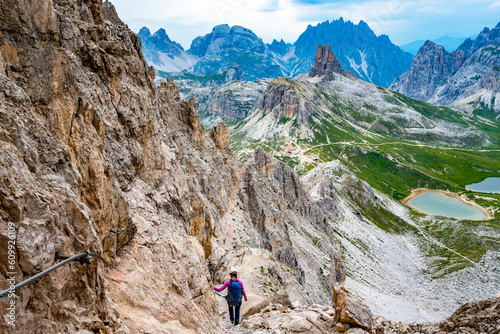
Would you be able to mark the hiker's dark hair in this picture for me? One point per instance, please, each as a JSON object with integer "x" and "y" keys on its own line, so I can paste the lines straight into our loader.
{"x": 234, "y": 275}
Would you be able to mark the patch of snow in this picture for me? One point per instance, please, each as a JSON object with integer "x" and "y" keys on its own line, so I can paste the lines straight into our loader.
{"x": 290, "y": 55}
{"x": 361, "y": 69}
{"x": 167, "y": 64}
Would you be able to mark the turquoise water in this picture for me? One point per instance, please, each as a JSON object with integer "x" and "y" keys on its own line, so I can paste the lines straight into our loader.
{"x": 490, "y": 185}
{"x": 436, "y": 203}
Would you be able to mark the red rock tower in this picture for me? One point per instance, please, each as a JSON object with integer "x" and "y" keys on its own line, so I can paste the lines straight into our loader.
{"x": 326, "y": 63}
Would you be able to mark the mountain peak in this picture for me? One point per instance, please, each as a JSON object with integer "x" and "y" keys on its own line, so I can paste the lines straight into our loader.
{"x": 227, "y": 45}
{"x": 279, "y": 48}
{"x": 428, "y": 43}
{"x": 161, "y": 33}
{"x": 144, "y": 32}
{"x": 243, "y": 31}
{"x": 359, "y": 50}
{"x": 384, "y": 38}
{"x": 430, "y": 47}
{"x": 363, "y": 24}
{"x": 221, "y": 28}
{"x": 443, "y": 77}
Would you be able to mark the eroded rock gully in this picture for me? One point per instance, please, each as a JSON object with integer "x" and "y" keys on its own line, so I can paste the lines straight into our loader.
{"x": 88, "y": 144}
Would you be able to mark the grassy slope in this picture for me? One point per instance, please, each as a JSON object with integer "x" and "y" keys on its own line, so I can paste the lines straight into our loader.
{"x": 185, "y": 75}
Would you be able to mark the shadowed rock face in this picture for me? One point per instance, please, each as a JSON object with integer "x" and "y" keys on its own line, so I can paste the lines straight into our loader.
{"x": 220, "y": 135}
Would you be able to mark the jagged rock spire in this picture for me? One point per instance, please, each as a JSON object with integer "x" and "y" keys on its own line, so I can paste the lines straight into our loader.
{"x": 326, "y": 63}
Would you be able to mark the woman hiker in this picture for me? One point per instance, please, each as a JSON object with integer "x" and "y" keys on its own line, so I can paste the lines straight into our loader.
{"x": 235, "y": 292}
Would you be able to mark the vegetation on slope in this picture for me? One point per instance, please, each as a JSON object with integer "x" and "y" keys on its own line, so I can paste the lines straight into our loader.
{"x": 378, "y": 151}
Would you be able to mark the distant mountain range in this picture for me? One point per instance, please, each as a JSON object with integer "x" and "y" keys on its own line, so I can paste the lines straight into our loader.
{"x": 469, "y": 76}
{"x": 371, "y": 58}
{"x": 319, "y": 106}
{"x": 359, "y": 50}
{"x": 449, "y": 43}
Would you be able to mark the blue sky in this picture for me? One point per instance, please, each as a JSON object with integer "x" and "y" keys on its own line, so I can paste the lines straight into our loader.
{"x": 402, "y": 20}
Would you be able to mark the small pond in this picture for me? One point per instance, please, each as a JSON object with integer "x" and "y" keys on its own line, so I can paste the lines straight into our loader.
{"x": 490, "y": 185}
{"x": 437, "y": 203}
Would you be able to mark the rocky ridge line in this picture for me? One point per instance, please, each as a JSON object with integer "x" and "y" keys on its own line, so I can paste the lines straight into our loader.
{"x": 468, "y": 76}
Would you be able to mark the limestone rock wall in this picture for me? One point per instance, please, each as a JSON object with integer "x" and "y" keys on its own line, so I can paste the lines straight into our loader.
{"x": 289, "y": 223}
{"x": 285, "y": 98}
{"x": 88, "y": 144}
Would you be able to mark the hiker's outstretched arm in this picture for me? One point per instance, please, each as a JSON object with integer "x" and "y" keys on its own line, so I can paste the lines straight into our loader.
{"x": 222, "y": 287}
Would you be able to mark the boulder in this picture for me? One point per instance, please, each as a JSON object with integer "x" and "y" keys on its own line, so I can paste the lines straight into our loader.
{"x": 356, "y": 331}
{"x": 350, "y": 309}
{"x": 278, "y": 298}
{"x": 298, "y": 326}
{"x": 477, "y": 317}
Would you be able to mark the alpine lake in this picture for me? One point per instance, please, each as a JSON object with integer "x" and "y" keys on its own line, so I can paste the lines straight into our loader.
{"x": 490, "y": 185}
{"x": 434, "y": 202}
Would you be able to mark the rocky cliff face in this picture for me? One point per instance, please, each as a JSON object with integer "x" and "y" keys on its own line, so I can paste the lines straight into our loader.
{"x": 88, "y": 144}
{"x": 229, "y": 102}
{"x": 282, "y": 98}
{"x": 468, "y": 75}
{"x": 431, "y": 69}
{"x": 325, "y": 64}
{"x": 77, "y": 117}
